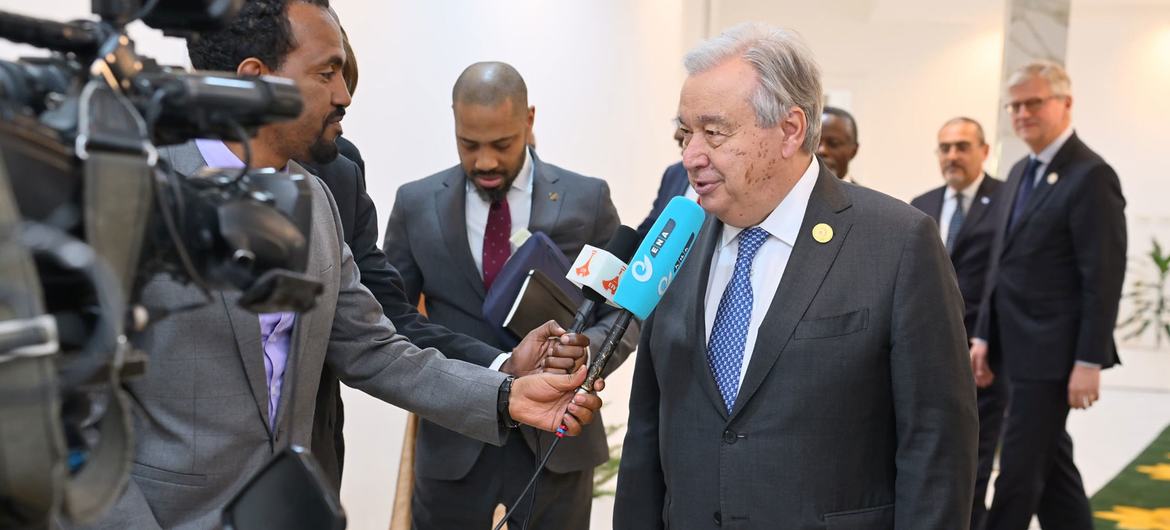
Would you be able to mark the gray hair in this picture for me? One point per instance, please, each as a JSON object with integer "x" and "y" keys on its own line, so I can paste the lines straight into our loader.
{"x": 1058, "y": 82}
{"x": 787, "y": 71}
{"x": 970, "y": 121}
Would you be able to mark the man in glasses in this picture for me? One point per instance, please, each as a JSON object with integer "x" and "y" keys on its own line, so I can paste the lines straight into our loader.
{"x": 964, "y": 208}
{"x": 1051, "y": 302}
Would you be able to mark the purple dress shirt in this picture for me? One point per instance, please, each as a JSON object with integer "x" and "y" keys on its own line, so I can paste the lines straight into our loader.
{"x": 275, "y": 328}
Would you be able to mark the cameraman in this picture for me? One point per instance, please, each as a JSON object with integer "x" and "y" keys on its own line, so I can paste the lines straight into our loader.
{"x": 225, "y": 389}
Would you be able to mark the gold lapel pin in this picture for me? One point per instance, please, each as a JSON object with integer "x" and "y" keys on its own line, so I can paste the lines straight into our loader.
{"x": 1052, "y": 178}
{"x": 553, "y": 196}
{"x": 823, "y": 233}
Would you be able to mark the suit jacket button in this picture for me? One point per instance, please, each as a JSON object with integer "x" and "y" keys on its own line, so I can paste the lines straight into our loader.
{"x": 729, "y": 437}
{"x": 718, "y": 519}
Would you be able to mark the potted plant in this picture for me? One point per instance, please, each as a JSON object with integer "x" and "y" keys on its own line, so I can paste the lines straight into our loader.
{"x": 1150, "y": 300}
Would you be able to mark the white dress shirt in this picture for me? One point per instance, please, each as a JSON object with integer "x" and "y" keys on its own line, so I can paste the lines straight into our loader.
{"x": 948, "y": 206}
{"x": 519, "y": 205}
{"x": 783, "y": 227}
{"x": 1045, "y": 155}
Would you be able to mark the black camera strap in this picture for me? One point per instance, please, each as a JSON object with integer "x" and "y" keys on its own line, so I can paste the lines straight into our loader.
{"x": 119, "y": 164}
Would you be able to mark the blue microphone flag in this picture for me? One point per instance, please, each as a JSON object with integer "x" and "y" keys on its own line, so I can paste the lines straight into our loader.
{"x": 659, "y": 257}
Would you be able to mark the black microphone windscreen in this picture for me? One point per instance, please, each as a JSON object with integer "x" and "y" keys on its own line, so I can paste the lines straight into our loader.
{"x": 624, "y": 243}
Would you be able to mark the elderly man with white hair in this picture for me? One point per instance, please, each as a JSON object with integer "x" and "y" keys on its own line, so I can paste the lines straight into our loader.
{"x": 809, "y": 368}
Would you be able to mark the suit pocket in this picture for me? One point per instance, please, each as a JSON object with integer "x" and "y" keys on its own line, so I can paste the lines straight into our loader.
{"x": 875, "y": 518}
{"x": 834, "y": 326}
{"x": 169, "y": 477}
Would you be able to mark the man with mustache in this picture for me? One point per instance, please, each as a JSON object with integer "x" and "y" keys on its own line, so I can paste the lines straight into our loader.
{"x": 963, "y": 208}
{"x": 1050, "y": 307}
{"x": 449, "y": 235}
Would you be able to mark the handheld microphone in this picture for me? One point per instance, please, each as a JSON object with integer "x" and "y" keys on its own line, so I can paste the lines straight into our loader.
{"x": 597, "y": 272}
{"x": 651, "y": 271}
{"x": 640, "y": 287}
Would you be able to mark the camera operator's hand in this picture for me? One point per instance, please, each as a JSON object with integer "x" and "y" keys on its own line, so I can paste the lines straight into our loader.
{"x": 546, "y": 401}
{"x": 547, "y": 348}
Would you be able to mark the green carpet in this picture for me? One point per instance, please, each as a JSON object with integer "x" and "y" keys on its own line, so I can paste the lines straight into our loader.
{"x": 1139, "y": 497}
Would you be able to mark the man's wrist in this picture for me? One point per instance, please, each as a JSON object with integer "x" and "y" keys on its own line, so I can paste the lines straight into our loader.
{"x": 503, "y": 401}
{"x": 502, "y": 363}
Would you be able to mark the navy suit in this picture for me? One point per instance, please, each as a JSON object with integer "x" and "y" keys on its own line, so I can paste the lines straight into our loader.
{"x": 970, "y": 253}
{"x": 1053, "y": 288}
{"x": 674, "y": 183}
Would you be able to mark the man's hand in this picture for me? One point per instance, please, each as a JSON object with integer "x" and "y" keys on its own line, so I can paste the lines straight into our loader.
{"x": 547, "y": 348}
{"x": 979, "y": 366}
{"x": 1084, "y": 386}
{"x": 546, "y": 401}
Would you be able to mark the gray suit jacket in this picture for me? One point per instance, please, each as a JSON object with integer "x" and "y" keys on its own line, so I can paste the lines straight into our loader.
{"x": 858, "y": 407}
{"x": 426, "y": 240}
{"x": 201, "y": 422}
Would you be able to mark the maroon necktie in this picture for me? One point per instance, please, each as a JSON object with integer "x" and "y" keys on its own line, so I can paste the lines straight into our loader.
{"x": 497, "y": 246}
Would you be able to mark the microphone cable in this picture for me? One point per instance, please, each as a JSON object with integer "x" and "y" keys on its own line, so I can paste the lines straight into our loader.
{"x": 532, "y": 481}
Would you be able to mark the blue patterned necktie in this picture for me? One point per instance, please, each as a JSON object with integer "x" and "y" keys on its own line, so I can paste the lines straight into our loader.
{"x": 956, "y": 222}
{"x": 1027, "y": 183}
{"x": 729, "y": 333}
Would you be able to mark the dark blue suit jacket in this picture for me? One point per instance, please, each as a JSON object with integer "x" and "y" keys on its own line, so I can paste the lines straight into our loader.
{"x": 674, "y": 183}
{"x": 1055, "y": 277}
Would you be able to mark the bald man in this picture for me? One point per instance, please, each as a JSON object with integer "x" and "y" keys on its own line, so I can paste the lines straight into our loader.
{"x": 449, "y": 236}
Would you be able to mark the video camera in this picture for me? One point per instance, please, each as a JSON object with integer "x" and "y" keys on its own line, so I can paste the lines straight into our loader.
{"x": 89, "y": 212}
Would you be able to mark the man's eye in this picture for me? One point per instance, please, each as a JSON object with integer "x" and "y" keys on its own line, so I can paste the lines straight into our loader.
{"x": 712, "y": 132}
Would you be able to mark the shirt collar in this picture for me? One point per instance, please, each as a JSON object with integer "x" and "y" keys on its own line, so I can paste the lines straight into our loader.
{"x": 523, "y": 180}
{"x": 216, "y": 154}
{"x": 1045, "y": 155}
{"x": 968, "y": 192}
{"x": 784, "y": 222}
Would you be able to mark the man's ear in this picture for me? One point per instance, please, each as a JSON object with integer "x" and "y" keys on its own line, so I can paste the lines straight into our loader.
{"x": 252, "y": 67}
{"x": 794, "y": 124}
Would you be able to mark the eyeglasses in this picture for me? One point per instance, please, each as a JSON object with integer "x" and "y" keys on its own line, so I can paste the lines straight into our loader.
{"x": 959, "y": 147}
{"x": 1032, "y": 104}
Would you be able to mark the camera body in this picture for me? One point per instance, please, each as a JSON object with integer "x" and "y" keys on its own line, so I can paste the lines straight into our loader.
{"x": 89, "y": 212}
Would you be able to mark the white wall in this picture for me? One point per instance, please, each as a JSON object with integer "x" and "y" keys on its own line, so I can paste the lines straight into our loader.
{"x": 1119, "y": 61}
